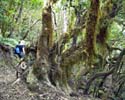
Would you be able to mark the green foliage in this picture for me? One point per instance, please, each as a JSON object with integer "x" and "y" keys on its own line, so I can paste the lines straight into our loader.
{"x": 115, "y": 35}
{"x": 115, "y": 29}
{"x": 8, "y": 41}
{"x": 15, "y": 22}
{"x": 36, "y": 4}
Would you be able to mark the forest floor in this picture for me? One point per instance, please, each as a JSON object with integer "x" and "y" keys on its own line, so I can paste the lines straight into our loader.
{"x": 19, "y": 91}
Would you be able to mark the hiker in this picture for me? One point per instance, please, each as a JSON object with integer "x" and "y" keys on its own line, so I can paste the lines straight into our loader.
{"x": 20, "y": 49}
{"x": 20, "y": 52}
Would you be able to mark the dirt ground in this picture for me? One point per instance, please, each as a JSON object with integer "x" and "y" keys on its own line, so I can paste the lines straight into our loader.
{"x": 19, "y": 91}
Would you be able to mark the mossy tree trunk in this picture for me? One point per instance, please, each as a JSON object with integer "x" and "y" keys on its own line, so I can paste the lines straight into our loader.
{"x": 91, "y": 30}
{"x": 107, "y": 12}
{"x": 42, "y": 64}
{"x": 104, "y": 21}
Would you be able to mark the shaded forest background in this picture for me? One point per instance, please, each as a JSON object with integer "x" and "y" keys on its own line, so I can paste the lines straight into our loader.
{"x": 74, "y": 46}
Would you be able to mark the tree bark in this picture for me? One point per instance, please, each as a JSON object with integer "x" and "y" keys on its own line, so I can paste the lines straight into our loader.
{"x": 91, "y": 29}
{"x": 42, "y": 65}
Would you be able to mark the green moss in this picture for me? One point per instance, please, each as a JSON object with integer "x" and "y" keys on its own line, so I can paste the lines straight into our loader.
{"x": 91, "y": 30}
{"x": 31, "y": 78}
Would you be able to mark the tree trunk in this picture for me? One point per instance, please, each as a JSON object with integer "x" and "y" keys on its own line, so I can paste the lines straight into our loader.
{"x": 42, "y": 65}
{"x": 91, "y": 29}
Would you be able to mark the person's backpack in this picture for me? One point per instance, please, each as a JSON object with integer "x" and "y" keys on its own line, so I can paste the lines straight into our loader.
{"x": 17, "y": 50}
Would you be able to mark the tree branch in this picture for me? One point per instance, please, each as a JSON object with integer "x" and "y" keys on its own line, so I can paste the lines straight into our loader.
{"x": 73, "y": 55}
{"x": 26, "y": 33}
{"x": 101, "y": 74}
{"x": 20, "y": 11}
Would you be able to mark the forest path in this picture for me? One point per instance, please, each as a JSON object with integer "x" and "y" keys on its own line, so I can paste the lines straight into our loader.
{"x": 19, "y": 91}
{"x": 12, "y": 92}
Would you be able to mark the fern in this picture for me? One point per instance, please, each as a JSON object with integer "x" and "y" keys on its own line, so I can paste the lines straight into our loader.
{"x": 8, "y": 41}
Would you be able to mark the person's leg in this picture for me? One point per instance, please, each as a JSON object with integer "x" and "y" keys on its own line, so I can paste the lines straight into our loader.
{"x": 19, "y": 55}
{"x": 22, "y": 54}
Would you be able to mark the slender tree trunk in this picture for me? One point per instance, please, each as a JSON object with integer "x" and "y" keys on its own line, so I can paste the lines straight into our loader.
{"x": 16, "y": 19}
{"x": 20, "y": 11}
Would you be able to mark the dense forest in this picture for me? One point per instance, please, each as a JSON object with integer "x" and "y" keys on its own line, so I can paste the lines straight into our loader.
{"x": 73, "y": 50}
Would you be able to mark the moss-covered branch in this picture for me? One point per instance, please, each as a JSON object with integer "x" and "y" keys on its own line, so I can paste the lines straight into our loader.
{"x": 101, "y": 74}
{"x": 73, "y": 55}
